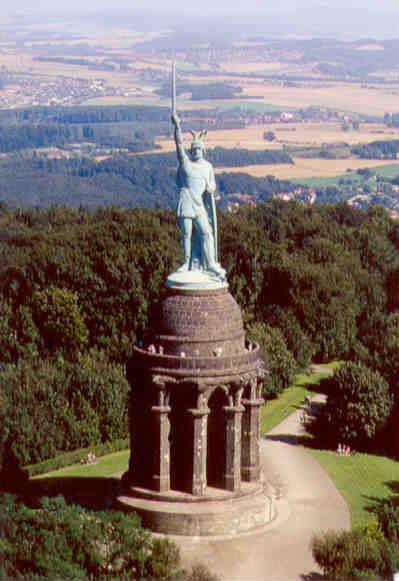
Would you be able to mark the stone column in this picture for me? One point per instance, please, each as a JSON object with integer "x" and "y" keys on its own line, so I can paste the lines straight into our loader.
{"x": 250, "y": 459}
{"x": 232, "y": 478}
{"x": 200, "y": 433}
{"x": 161, "y": 465}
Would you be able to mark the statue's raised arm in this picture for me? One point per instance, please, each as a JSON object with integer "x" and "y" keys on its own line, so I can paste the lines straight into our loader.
{"x": 196, "y": 215}
{"x": 181, "y": 153}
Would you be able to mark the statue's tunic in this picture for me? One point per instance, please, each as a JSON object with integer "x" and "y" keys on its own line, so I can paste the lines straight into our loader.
{"x": 194, "y": 178}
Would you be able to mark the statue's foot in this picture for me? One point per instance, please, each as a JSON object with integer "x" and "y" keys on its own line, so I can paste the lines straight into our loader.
{"x": 216, "y": 270}
{"x": 184, "y": 267}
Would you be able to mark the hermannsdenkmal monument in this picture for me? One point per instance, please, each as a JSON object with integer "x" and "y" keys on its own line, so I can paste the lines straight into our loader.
{"x": 196, "y": 384}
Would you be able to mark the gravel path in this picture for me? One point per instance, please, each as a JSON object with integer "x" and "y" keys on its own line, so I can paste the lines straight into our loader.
{"x": 307, "y": 501}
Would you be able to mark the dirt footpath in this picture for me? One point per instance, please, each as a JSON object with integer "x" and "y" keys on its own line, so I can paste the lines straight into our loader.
{"x": 307, "y": 502}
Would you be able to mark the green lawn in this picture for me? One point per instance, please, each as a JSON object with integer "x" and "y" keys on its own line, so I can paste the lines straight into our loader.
{"x": 362, "y": 479}
{"x": 106, "y": 466}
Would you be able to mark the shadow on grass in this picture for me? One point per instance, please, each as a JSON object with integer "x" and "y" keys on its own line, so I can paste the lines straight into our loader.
{"x": 91, "y": 493}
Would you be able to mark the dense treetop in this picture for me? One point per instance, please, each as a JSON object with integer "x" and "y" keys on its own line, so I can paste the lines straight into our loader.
{"x": 76, "y": 289}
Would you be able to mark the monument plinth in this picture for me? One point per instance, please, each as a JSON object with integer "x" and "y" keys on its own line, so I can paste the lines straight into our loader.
{"x": 196, "y": 388}
{"x": 195, "y": 420}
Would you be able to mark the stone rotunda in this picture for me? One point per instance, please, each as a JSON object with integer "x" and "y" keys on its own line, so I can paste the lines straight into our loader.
{"x": 196, "y": 384}
{"x": 195, "y": 420}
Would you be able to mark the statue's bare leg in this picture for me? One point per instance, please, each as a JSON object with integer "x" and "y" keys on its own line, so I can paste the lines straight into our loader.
{"x": 186, "y": 227}
{"x": 208, "y": 245}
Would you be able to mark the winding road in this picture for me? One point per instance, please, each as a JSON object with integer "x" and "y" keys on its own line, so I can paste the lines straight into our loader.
{"x": 307, "y": 502}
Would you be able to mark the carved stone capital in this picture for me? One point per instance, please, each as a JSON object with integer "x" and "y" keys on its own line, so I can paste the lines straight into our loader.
{"x": 234, "y": 409}
{"x": 253, "y": 402}
{"x": 197, "y": 413}
{"x": 161, "y": 409}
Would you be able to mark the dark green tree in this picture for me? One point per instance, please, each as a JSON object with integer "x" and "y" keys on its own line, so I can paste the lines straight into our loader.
{"x": 358, "y": 406}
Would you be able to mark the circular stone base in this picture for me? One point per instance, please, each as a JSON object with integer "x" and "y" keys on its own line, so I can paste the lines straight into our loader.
{"x": 216, "y": 514}
{"x": 195, "y": 280}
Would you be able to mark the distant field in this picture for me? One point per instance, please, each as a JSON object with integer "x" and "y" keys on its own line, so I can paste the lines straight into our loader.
{"x": 321, "y": 182}
{"x": 21, "y": 61}
{"x": 292, "y": 134}
{"x": 264, "y": 67}
{"x": 391, "y": 170}
{"x": 307, "y": 168}
{"x": 117, "y": 100}
{"x": 248, "y": 138}
{"x": 254, "y": 67}
{"x": 311, "y": 134}
{"x": 345, "y": 97}
{"x": 257, "y": 105}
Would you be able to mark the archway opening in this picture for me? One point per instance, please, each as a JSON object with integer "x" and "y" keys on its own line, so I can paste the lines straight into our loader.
{"x": 216, "y": 445}
{"x": 181, "y": 440}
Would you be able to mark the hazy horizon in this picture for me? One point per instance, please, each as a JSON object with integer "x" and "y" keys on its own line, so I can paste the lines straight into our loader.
{"x": 360, "y": 18}
{"x": 222, "y": 6}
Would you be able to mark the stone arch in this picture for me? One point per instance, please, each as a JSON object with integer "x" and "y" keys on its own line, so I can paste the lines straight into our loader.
{"x": 216, "y": 441}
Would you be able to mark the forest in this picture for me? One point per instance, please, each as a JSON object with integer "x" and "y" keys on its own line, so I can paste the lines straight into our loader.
{"x": 125, "y": 180}
{"x": 377, "y": 150}
{"x": 134, "y": 127}
{"x": 205, "y": 91}
{"x": 77, "y": 287}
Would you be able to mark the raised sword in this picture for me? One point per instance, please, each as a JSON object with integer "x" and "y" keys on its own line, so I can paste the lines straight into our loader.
{"x": 174, "y": 87}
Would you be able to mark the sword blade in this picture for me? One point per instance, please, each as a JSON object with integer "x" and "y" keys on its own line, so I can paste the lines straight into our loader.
{"x": 174, "y": 86}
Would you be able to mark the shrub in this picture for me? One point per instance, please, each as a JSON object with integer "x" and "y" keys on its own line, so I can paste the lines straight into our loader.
{"x": 199, "y": 572}
{"x": 347, "y": 555}
{"x": 388, "y": 517}
{"x": 165, "y": 560}
{"x": 358, "y": 554}
{"x": 279, "y": 360}
{"x": 58, "y": 541}
{"x": 358, "y": 406}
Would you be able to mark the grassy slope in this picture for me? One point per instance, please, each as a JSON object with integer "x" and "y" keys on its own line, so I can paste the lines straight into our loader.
{"x": 106, "y": 466}
{"x": 362, "y": 479}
